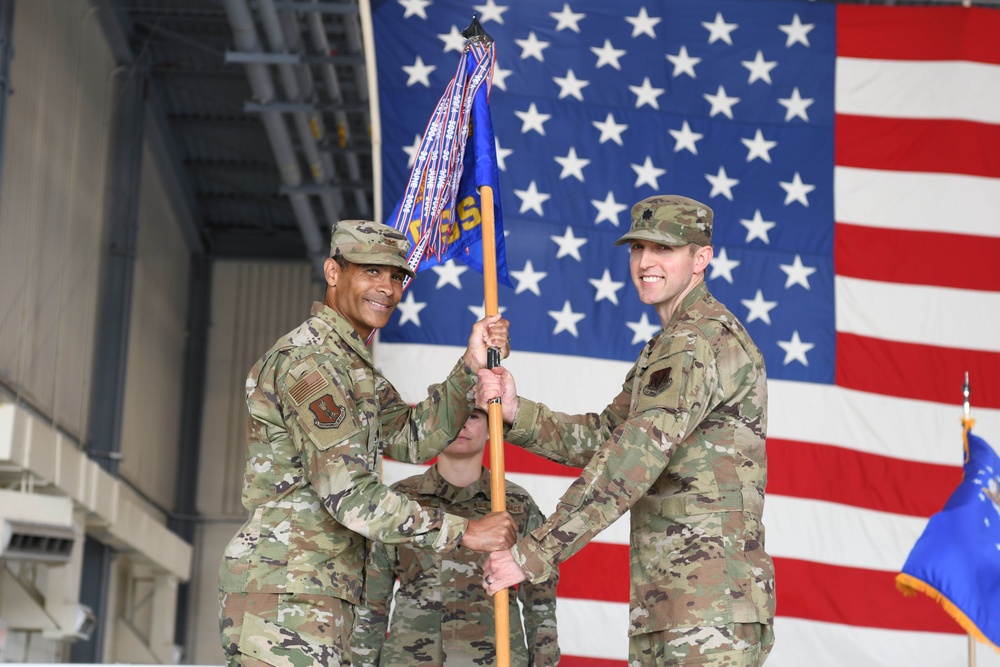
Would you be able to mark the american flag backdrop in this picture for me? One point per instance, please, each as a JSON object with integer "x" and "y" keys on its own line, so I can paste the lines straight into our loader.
{"x": 850, "y": 154}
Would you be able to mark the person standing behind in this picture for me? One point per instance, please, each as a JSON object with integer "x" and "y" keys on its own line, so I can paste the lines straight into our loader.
{"x": 682, "y": 447}
{"x": 320, "y": 414}
{"x": 440, "y": 613}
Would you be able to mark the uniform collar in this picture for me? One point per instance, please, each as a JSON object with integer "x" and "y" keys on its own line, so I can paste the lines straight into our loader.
{"x": 432, "y": 483}
{"x": 343, "y": 328}
{"x": 700, "y": 291}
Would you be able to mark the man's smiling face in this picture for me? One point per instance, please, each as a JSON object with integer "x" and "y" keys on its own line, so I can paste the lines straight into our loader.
{"x": 367, "y": 294}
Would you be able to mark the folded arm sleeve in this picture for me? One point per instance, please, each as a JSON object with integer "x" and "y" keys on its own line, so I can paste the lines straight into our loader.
{"x": 627, "y": 464}
{"x": 416, "y": 434}
{"x": 567, "y": 439}
{"x": 339, "y": 464}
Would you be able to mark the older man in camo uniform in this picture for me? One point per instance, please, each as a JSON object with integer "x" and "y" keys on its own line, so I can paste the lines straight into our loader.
{"x": 682, "y": 447}
{"x": 320, "y": 414}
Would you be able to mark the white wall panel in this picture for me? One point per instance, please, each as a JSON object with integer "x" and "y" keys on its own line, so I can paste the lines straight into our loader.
{"x": 204, "y": 646}
{"x": 157, "y": 338}
{"x": 252, "y": 305}
{"x": 52, "y": 206}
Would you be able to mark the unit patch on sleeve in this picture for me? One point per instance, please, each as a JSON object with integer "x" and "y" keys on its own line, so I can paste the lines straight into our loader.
{"x": 326, "y": 412}
{"x": 662, "y": 385}
{"x": 658, "y": 382}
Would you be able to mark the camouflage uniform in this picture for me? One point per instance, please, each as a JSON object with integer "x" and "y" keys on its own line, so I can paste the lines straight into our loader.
{"x": 682, "y": 447}
{"x": 319, "y": 416}
{"x": 441, "y": 614}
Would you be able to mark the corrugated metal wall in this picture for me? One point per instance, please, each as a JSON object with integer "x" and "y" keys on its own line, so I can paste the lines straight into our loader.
{"x": 154, "y": 380}
{"x": 52, "y": 208}
{"x": 252, "y": 305}
{"x": 52, "y": 221}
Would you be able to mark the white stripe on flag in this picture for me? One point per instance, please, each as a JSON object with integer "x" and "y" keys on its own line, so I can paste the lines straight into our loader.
{"x": 836, "y": 534}
{"x": 910, "y": 89}
{"x": 796, "y": 642}
{"x": 872, "y": 423}
{"x": 902, "y": 428}
{"x": 922, "y": 314}
{"x": 917, "y": 202}
{"x": 593, "y": 629}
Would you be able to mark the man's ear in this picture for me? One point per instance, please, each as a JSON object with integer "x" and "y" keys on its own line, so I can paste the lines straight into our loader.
{"x": 702, "y": 258}
{"x": 331, "y": 271}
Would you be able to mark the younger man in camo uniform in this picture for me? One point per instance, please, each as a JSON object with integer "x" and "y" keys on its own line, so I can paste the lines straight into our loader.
{"x": 682, "y": 447}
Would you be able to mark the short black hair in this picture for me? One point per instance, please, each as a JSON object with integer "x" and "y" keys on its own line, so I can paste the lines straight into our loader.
{"x": 340, "y": 260}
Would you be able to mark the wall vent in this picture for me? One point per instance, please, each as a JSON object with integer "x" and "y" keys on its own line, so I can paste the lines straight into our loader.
{"x": 22, "y": 540}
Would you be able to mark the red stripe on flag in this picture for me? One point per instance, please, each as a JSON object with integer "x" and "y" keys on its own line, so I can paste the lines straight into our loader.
{"x": 580, "y": 661}
{"x": 932, "y": 33}
{"x": 805, "y": 589}
{"x": 854, "y": 596}
{"x": 911, "y": 370}
{"x": 516, "y": 459}
{"x": 861, "y": 252}
{"x": 520, "y": 460}
{"x": 917, "y": 144}
{"x": 871, "y": 481}
{"x": 598, "y": 572}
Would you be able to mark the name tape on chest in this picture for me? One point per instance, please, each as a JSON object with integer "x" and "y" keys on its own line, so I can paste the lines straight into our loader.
{"x": 487, "y": 506}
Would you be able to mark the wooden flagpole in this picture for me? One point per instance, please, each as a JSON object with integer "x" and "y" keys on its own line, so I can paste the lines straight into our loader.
{"x": 498, "y": 485}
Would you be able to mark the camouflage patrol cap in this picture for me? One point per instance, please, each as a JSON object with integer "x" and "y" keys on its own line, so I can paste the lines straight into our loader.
{"x": 670, "y": 220}
{"x": 367, "y": 242}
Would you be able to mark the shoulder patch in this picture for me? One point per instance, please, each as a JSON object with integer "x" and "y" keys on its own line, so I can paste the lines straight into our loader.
{"x": 659, "y": 380}
{"x": 326, "y": 412}
{"x": 307, "y": 386}
{"x": 662, "y": 385}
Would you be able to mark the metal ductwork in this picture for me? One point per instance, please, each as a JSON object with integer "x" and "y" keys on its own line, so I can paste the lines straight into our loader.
{"x": 308, "y": 126}
{"x": 300, "y": 92}
{"x": 262, "y": 89}
{"x": 21, "y": 540}
{"x": 321, "y": 45}
{"x": 35, "y": 527}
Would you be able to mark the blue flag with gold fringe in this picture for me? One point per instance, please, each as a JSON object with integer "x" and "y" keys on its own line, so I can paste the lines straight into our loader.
{"x": 441, "y": 210}
{"x": 956, "y": 561}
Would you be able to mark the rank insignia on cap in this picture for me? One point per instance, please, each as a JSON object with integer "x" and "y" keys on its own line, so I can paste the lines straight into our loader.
{"x": 307, "y": 386}
{"x": 658, "y": 381}
{"x": 327, "y": 413}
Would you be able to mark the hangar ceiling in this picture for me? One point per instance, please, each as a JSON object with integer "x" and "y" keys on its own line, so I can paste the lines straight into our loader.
{"x": 259, "y": 110}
